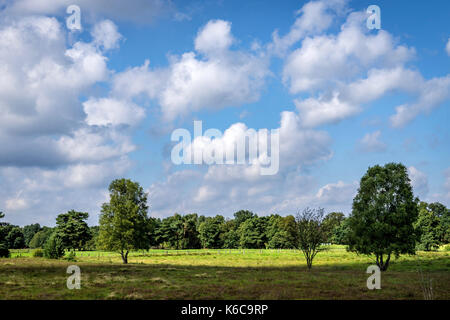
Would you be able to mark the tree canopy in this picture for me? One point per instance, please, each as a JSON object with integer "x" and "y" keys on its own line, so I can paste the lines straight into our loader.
{"x": 311, "y": 233}
{"x": 386, "y": 220}
{"x": 209, "y": 232}
{"x": 432, "y": 226}
{"x": 29, "y": 231}
{"x": 73, "y": 230}
{"x": 124, "y": 224}
{"x": 332, "y": 221}
{"x": 383, "y": 213}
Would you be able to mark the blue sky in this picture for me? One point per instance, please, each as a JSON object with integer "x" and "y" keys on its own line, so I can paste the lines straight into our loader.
{"x": 81, "y": 108}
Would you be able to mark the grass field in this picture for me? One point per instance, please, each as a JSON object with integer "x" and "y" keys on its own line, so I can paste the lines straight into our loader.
{"x": 222, "y": 274}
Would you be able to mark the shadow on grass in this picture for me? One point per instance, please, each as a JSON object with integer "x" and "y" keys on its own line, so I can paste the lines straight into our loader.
{"x": 37, "y": 278}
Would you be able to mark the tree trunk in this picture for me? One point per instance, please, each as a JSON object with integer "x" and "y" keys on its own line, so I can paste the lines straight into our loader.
{"x": 308, "y": 260}
{"x": 124, "y": 256}
{"x": 383, "y": 265}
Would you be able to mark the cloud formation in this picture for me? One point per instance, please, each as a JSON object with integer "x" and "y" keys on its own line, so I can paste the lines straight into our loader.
{"x": 371, "y": 143}
{"x": 447, "y": 47}
{"x": 138, "y": 11}
{"x": 64, "y": 139}
{"x": 213, "y": 77}
{"x": 232, "y": 186}
{"x": 55, "y": 147}
{"x": 343, "y": 72}
{"x": 313, "y": 18}
{"x": 419, "y": 181}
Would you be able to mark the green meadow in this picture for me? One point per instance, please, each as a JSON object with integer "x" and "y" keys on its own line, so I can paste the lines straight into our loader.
{"x": 223, "y": 274}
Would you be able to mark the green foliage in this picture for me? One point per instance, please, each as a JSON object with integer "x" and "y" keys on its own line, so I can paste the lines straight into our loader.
{"x": 4, "y": 230}
{"x": 209, "y": 232}
{"x": 281, "y": 232}
{"x": 383, "y": 214}
{"x": 40, "y": 238}
{"x": 229, "y": 236}
{"x": 15, "y": 238}
{"x": 38, "y": 253}
{"x": 3, "y": 233}
{"x": 427, "y": 227}
{"x": 92, "y": 244}
{"x": 172, "y": 231}
{"x": 71, "y": 256}
{"x": 332, "y": 221}
{"x": 29, "y": 231}
{"x": 73, "y": 229}
{"x": 124, "y": 224}
{"x": 443, "y": 214}
{"x": 340, "y": 233}
{"x": 4, "y": 251}
{"x": 311, "y": 233}
{"x": 11, "y": 236}
{"x": 190, "y": 237}
{"x": 252, "y": 233}
{"x": 230, "y": 239}
{"x": 54, "y": 248}
{"x": 242, "y": 216}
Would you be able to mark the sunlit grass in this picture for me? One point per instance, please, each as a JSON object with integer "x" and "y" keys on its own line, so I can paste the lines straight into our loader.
{"x": 221, "y": 274}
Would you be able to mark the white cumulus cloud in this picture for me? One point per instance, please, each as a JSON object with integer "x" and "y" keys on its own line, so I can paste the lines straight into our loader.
{"x": 447, "y": 47}
{"x": 105, "y": 34}
{"x": 58, "y": 154}
{"x": 371, "y": 142}
{"x": 214, "y": 77}
{"x": 419, "y": 181}
{"x": 345, "y": 71}
{"x": 107, "y": 111}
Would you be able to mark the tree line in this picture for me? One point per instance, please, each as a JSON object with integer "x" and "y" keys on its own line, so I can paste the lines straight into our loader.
{"x": 385, "y": 220}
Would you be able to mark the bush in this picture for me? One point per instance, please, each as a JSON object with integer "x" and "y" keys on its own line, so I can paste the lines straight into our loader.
{"x": 4, "y": 251}
{"x": 38, "y": 253}
{"x": 40, "y": 238}
{"x": 446, "y": 247}
{"x": 53, "y": 248}
{"x": 71, "y": 256}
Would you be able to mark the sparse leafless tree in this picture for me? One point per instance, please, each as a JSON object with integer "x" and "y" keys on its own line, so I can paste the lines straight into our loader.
{"x": 311, "y": 233}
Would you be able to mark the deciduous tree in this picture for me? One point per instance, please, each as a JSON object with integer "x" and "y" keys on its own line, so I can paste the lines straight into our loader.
{"x": 29, "y": 231}
{"x": 331, "y": 222}
{"x": 54, "y": 247}
{"x": 73, "y": 229}
{"x": 427, "y": 227}
{"x": 252, "y": 233}
{"x": 311, "y": 233}
{"x": 383, "y": 214}
{"x": 124, "y": 224}
{"x": 209, "y": 232}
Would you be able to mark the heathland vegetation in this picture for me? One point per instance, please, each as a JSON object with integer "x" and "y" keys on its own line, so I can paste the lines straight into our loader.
{"x": 386, "y": 221}
{"x": 190, "y": 255}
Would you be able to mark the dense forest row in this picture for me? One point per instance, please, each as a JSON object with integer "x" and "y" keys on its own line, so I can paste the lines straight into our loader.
{"x": 385, "y": 219}
{"x": 245, "y": 230}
